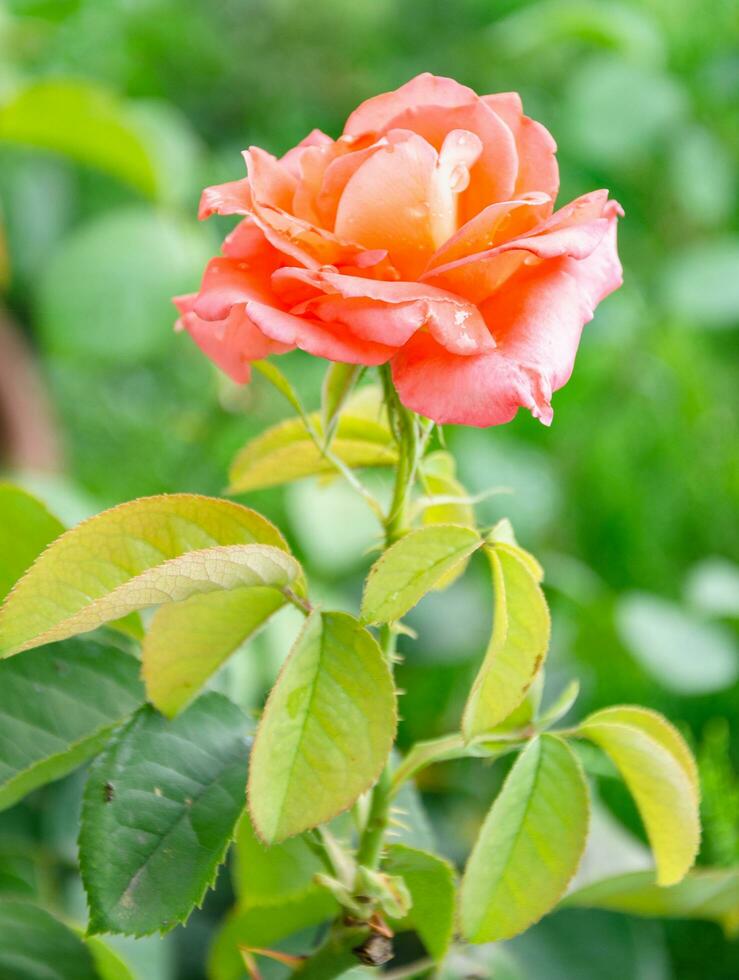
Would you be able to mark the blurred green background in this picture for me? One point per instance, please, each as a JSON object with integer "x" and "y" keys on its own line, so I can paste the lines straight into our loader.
{"x": 114, "y": 114}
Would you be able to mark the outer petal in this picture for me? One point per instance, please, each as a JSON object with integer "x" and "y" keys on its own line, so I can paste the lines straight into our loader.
{"x": 304, "y": 244}
{"x": 231, "y": 343}
{"x": 227, "y": 282}
{"x": 329, "y": 340}
{"x": 388, "y": 312}
{"x": 376, "y": 113}
{"x": 231, "y": 198}
{"x": 271, "y": 182}
{"x": 486, "y": 229}
{"x": 537, "y": 324}
{"x": 391, "y": 326}
{"x": 538, "y": 169}
{"x": 247, "y": 240}
{"x": 483, "y": 390}
{"x": 476, "y": 276}
{"x": 575, "y": 230}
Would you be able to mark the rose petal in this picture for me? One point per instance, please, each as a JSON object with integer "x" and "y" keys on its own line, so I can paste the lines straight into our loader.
{"x": 231, "y": 198}
{"x": 313, "y": 164}
{"x": 486, "y": 389}
{"x": 292, "y": 159}
{"x": 329, "y": 340}
{"x": 367, "y": 319}
{"x": 375, "y": 114}
{"x": 493, "y": 174}
{"x": 230, "y": 281}
{"x": 388, "y": 203}
{"x": 537, "y": 321}
{"x": 231, "y": 343}
{"x": 575, "y": 230}
{"x": 537, "y": 167}
{"x": 312, "y": 247}
{"x": 246, "y": 240}
{"x": 336, "y": 176}
{"x": 476, "y": 276}
{"x": 401, "y": 308}
{"x": 484, "y": 231}
{"x": 271, "y": 183}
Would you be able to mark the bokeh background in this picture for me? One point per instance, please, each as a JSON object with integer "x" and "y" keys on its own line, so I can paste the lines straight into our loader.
{"x": 113, "y": 115}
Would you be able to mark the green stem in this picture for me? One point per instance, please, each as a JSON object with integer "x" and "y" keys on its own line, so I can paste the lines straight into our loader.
{"x": 411, "y": 440}
{"x": 405, "y": 428}
{"x": 373, "y": 837}
{"x": 404, "y": 425}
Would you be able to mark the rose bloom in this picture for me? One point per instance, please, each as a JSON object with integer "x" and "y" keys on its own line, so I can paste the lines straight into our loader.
{"x": 426, "y": 237}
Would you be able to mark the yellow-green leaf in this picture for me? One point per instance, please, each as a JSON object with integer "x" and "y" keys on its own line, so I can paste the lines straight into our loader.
{"x": 439, "y": 479}
{"x": 287, "y": 452}
{"x": 412, "y": 567}
{"x": 150, "y": 551}
{"x": 430, "y": 881}
{"x": 518, "y": 644}
{"x": 337, "y": 386}
{"x": 530, "y": 844}
{"x": 188, "y": 641}
{"x": 26, "y": 528}
{"x": 658, "y": 728}
{"x": 327, "y": 729}
{"x": 524, "y": 714}
{"x": 706, "y": 893}
{"x": 503, "y": 533}
{"x": 657, "y": 767}
{"x": 270, "y": 371}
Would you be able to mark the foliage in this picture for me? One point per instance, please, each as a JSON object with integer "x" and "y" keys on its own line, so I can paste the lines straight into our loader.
{"x": 163, "y": 797}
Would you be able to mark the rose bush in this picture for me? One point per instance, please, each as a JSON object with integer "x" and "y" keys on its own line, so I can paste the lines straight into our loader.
{"x": 424, "y": 236}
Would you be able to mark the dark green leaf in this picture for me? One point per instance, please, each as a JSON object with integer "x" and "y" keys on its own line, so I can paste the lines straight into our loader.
{"x": 271, "y": 875}
{"x": 36, "y": 946}
{"x": 108, "y": 963}
{"x": 57, "y": 706}
{"x": 159, "y": 812}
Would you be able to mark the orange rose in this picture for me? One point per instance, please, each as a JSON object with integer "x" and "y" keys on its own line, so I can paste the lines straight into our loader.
{"x": 424, "y": 237}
